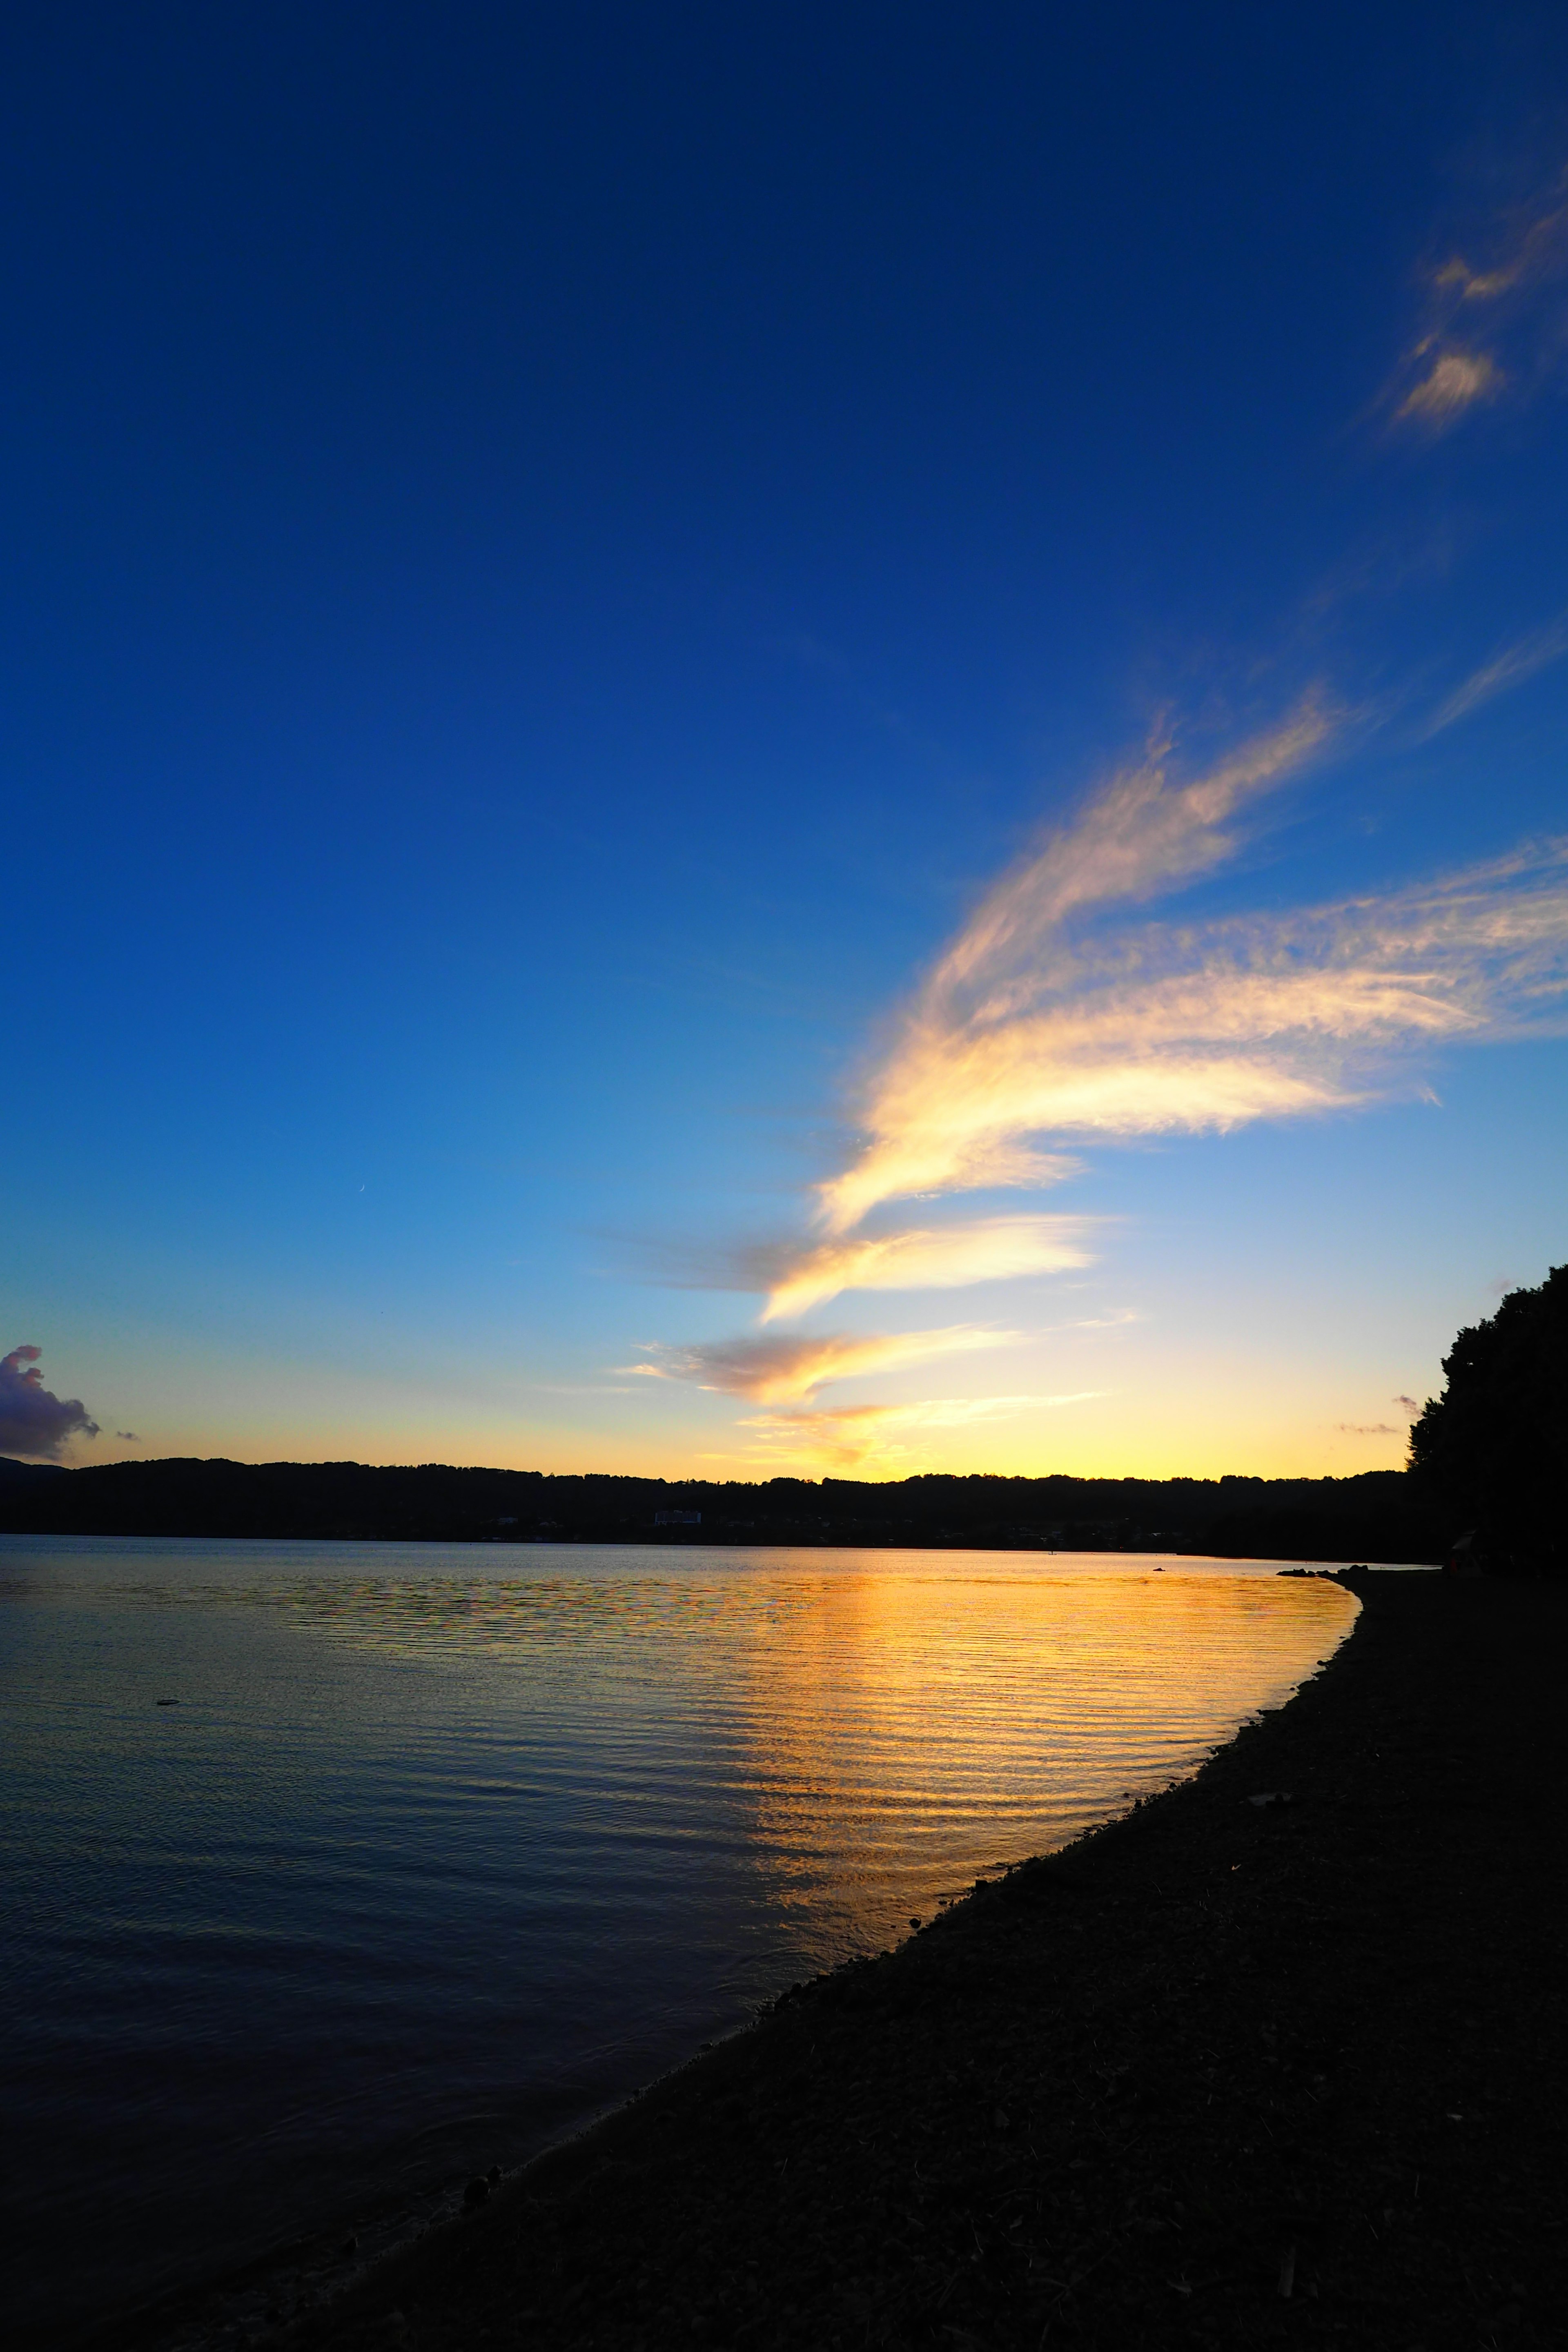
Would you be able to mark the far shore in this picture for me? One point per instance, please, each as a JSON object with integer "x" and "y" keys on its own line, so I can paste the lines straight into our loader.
{"x": 1373, "y": 1515}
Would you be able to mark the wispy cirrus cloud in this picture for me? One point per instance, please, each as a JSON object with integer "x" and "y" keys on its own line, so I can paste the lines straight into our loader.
{"x": 1059, "y": 1016}
{"x": 934, "y": 1257}
{"x": 774, "y": 1369}
{"x": 1452, "y": 383}
{"x": 1516, "y": 664}
{"x": 1528, "y": 250}
{"x": 1208, "y": 1027}
{"x": 985, "y": 1062}
{"x": 1052, "y": 1020}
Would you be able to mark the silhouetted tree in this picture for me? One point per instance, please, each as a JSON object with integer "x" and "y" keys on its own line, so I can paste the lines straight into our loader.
{"x": 1494, "y": 1446}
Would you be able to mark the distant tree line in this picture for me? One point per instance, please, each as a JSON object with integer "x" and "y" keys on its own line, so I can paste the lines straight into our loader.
{"x": 1373, "y": 1517}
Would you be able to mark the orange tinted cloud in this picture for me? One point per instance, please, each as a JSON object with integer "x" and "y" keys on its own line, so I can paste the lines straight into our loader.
{"x": 777, "y": 1370}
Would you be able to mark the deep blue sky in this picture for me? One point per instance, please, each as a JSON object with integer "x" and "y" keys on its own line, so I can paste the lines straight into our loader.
{"x": 554, "y": 561}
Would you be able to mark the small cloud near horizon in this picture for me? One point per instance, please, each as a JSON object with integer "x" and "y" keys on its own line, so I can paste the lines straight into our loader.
{"x": 32, "y": 1421}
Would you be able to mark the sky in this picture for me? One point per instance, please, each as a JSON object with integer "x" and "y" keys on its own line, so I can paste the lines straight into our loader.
{"x": 789, "y": 741}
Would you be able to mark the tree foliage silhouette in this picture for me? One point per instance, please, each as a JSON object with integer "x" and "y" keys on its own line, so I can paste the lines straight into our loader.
{"x": 1494, "y": 1446}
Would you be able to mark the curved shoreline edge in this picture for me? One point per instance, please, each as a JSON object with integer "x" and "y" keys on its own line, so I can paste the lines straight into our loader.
{"x": 1216, "y": 2073}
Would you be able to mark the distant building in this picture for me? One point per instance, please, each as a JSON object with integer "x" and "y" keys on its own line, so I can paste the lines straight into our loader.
{"x": 677, "y": 1519}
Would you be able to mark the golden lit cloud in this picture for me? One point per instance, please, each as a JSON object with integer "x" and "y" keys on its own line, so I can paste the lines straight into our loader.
{"x": 932, "y": 1258}
{"x": 775, "y": 1370}
{"x": 994, "y": 1050}
{"x": 1038, "y": 1025}
{"x": 1266, "y": 1018}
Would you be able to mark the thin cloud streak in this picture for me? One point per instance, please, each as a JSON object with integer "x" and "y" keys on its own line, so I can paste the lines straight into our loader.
{"x": 779, "y": 1370}
{"x": 1509, "y": 668}
{"x": 932, "y": 1258}
{"x": 1138, "y": 837}
{"x": 855, "y": 1435}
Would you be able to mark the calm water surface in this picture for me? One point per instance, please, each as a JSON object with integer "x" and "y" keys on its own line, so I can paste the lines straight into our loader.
{"x": 442, "y": 1850}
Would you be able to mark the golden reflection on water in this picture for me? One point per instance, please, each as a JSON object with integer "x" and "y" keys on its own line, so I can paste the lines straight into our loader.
{"x": 869, "y": 1729}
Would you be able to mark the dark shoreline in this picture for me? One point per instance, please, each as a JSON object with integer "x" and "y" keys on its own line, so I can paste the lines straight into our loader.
{"x": 1129, "y": 2093}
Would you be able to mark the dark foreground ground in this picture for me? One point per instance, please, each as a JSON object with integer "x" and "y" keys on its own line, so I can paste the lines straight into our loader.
{"x": 1219, "y": 2075}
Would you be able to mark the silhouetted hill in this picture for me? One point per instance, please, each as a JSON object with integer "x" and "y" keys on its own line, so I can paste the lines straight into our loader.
{"x": 1378, "y": 1515}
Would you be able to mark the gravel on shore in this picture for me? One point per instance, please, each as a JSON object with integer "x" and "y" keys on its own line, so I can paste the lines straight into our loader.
{"x": 1221, "y": 2073}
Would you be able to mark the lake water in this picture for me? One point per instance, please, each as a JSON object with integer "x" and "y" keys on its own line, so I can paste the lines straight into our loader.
{"x": 442, "y": 1850}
